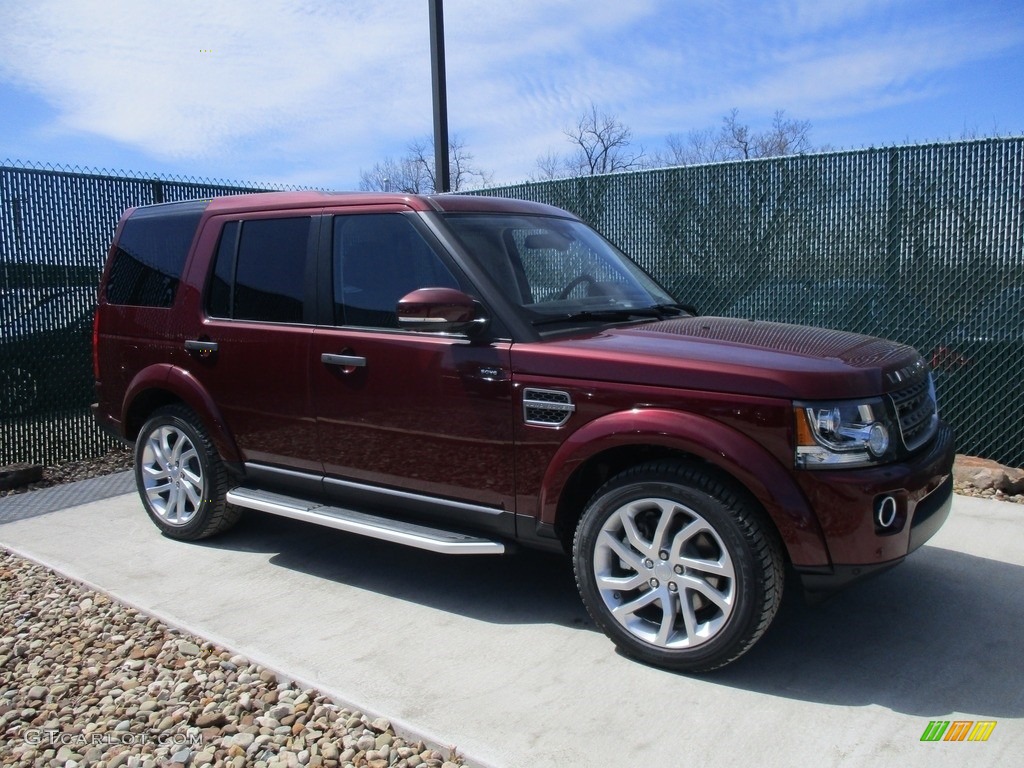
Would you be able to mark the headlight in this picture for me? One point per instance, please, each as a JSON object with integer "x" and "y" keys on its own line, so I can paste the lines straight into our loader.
{"x": 843, "y": 434}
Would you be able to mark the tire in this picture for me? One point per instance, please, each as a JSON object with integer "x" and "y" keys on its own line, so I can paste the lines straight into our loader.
{"x": 679, "y": 569}
{"x": 180, "y": 476}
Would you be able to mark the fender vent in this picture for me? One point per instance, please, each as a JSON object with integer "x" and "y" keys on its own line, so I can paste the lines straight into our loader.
{"x": 546, "y": 407}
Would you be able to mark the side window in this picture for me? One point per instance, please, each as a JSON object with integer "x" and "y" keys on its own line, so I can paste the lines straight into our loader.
{"x": 150, "y": 255}
{"x": 260, "y": 271}
{"x": 218, "y": 295}
{"x": 270, "y": 274}
{"x": 378, "y": 258}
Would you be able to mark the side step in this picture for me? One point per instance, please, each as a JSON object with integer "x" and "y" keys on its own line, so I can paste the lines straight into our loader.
{"x": 351, "y": 521}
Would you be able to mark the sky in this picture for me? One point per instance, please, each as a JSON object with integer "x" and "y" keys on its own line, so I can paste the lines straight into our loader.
{"x": 312, "y": 92}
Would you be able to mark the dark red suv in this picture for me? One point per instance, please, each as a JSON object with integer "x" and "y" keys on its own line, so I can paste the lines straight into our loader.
{"x": 466, "y": 373}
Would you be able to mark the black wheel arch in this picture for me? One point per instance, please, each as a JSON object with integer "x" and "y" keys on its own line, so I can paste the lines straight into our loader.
{"x": 589, "y": 477}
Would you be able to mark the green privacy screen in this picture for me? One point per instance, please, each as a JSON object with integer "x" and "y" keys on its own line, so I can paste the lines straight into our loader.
{"x": 923, "y": 244}
{"x": 55, "y": 228}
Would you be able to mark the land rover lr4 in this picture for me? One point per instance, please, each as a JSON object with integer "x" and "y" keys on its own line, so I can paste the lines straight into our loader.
{"x": 464, "y": 374}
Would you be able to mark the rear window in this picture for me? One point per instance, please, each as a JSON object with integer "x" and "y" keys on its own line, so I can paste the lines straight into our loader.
{"x": 150, "y": 254}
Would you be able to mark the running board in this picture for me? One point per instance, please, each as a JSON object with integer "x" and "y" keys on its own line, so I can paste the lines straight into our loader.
{"x": 348, "y": 520}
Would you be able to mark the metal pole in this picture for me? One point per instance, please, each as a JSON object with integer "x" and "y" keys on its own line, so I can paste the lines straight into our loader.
{"x": 442, "y": 172}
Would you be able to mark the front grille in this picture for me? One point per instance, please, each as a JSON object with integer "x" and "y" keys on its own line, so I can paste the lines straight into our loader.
{"x": 917, "y": 412}
{"x": 547, "y": 407}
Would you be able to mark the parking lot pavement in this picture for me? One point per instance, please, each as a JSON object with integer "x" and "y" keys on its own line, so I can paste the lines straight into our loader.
{"x": 497, "y": 656}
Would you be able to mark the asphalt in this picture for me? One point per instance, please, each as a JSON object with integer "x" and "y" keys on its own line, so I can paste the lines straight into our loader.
{"x": 496, "y": 655}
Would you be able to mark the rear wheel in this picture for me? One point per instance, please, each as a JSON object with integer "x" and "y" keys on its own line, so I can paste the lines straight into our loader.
{"x": 181, "y": 477}
{"x": 676, "y": 567}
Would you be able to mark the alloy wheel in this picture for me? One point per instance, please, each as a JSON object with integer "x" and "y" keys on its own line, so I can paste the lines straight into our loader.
{"x": 664, "y": 573}
{"x": 172, "y": 475}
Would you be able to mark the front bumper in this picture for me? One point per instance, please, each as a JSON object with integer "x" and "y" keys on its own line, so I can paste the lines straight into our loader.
{"x": 928, "y": 518}
{"x": 846, "y": 504}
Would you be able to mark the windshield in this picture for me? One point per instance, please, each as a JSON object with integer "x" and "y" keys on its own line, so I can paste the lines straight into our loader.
{"x": 558, "y": 269}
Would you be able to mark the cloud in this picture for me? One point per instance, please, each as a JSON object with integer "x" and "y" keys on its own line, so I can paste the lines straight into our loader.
{"x": 311, "y": 92}
{"x": 189, "y": 79}
{"x": 229, "y": 80}
{"x": 819, "y": 61}
{"x": 868, "y": 70}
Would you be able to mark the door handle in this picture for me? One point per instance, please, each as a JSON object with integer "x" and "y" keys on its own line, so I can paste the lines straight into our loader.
{"x": 204, "y": 348}
{"x": 347, "y": 361}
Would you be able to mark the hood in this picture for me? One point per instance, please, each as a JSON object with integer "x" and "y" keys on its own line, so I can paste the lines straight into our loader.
{"x": 730, "y": 355}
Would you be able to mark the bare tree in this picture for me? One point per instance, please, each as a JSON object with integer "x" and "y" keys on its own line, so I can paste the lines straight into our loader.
{"x": 414, "y": 172}
{"x": 738, "y": 141}
{"x": 464, "y": 175}
{"x": 784, "y": 137}
{"x": 391, "y": 175}
{"x": 697, "y": 146}
{"x": 551, "y": 166}
{"x": 602, "y": 144}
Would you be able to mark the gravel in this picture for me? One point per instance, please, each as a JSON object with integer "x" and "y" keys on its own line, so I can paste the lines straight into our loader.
{"x": 988, "y": 493}
{"x": 86, "y": 681}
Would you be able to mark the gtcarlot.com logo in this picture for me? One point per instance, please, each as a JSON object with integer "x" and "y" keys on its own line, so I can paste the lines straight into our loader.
{"x": 958, "y": 730}
{"x": 38, "y": 737}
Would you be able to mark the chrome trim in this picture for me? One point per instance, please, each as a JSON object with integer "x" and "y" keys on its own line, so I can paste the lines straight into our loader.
{"x": 885, "y": 512}
{"x": 350, "y": 361}
{"x": 255, "y": 467}
{"x": 257, "y": 470}
{"x": 414, "y": 321}
{"x": 556, "y": 402}
{"x": 908, "y": 372}
{"x": 407, "y": 496}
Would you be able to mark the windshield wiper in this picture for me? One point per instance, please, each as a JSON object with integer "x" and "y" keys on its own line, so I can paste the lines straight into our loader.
{"x": 657, "y": 312}
{"x": 674, "y": 310}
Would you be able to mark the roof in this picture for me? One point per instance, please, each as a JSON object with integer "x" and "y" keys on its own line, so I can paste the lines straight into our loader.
{"x": 261, "y": 201}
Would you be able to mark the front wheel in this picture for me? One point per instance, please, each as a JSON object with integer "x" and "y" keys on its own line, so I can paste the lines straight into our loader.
{"x": 181, "y": 477}
{"x": 676, "y": 567}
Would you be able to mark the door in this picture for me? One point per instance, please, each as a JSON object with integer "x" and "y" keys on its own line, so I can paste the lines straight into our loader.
{"x": 251, "y": 352}
{"x": 408, "y": 420}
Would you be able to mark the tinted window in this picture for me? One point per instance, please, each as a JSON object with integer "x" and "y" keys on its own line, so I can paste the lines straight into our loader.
{"x": 270, "y": 270}
{"x": 218, "y": 296}
{"x": 378, "y": 258}
{"x": 150, "y": 254}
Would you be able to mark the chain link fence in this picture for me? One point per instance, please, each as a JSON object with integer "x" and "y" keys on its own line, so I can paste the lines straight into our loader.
{"x": 56, "y": 225}
{"x": 922, "y": 244}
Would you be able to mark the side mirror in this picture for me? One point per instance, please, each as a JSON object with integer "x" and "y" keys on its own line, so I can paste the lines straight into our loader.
{"x": 441, "y": 310}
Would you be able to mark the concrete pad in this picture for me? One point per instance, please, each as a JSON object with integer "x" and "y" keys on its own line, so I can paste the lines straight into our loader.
{"x": 496, "y": 655}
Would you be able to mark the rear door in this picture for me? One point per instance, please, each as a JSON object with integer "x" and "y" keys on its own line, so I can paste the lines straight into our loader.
{"x": 251, "y": 348}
